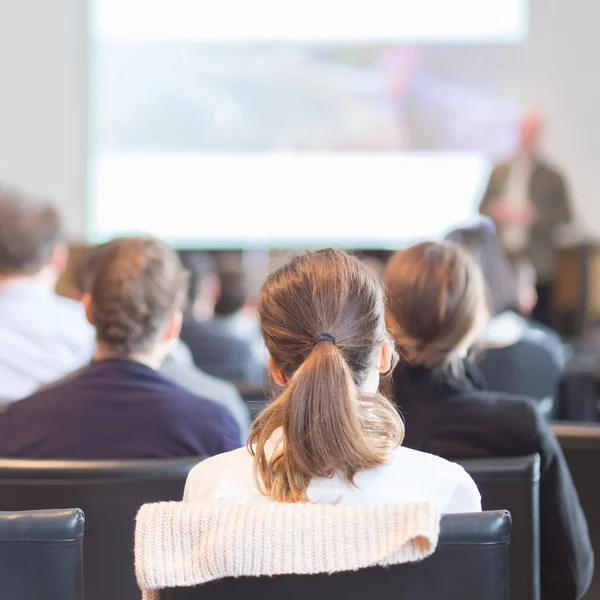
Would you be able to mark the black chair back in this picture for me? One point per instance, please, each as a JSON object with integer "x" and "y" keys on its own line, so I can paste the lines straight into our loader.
{"x": 580, "y": 443}
{"x": 513, "y": 484}
{"x": 470, "y": 562}
{"x": 110, "y": 493}
{"x": 41, "y": 555}
{"x": 255, "y": 395}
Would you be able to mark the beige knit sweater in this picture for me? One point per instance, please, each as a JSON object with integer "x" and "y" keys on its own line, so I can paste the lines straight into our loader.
{"x": 181, "y": 544}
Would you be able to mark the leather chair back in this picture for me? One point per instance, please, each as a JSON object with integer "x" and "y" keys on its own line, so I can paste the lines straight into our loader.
{"x": 580, "y": 443}
{"x": 513, "y": 484}
{"x": 471, "y": 561}
{"x": 255, "y": 395}
{"x": 41, "y": 555}
{"x": 110, "y": 493}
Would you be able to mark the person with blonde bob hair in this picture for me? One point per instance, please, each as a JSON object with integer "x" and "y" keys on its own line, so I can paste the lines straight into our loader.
{"x": 437, "y": 308}
{"x": 328, "y": 436}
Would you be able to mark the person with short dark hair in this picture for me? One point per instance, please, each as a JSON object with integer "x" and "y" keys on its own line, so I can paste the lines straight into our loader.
{"x": 215, "y": 348}
{"x": 120, "y": 406}
{"x": 44, "y": 336}
{"x": 518, "y": 356}
{"x": 437, "y": 309}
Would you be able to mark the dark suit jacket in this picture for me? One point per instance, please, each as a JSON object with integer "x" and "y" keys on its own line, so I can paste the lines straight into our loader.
{"x": 220, "y": 354}
{"x": 116, "y": 409}
{"x": 453, "y": 418}
{"x": 549, "y": 195}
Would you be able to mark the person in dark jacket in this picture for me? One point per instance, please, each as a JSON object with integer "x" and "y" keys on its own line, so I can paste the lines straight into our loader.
{"x": 120, "y": 406}
{"x": 436, "y": 309}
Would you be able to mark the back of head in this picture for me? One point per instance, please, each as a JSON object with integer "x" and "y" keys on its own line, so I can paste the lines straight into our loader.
{"x": 328, "y": 427}
{"x": 233, "y": 292}
{"x": 480, "y": 241}
{"x": 30, "y": 229}
{"x": 137, "y": 286}
{"x": 436, "y": 302}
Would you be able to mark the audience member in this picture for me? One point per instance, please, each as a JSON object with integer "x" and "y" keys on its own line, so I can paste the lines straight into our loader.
{"x": 231, "y": 315}
{"x": 528, "y": 200}
{"x": 44, "y": 336}
{"x": 179, "y": 364}
{"x": 215, "y": 350}
{"x": 519, "y": 356}
{"x": 437, "y": 308}
{"x": 328, "y": 436}
{"x": 120, "y": 406}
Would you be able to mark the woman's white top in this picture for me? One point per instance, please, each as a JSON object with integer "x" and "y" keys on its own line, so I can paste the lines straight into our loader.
{"x": 409, "y": 476}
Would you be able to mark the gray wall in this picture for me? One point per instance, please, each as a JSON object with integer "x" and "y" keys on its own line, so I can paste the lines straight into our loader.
{"x": 43, "y": 101}
{"x": 561, "y": 75}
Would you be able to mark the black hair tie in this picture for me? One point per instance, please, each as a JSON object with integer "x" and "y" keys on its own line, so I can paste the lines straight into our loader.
{"x": 324, "y": 337}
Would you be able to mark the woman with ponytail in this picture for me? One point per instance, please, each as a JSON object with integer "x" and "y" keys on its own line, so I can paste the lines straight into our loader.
{"x": 437, "y": 310}
{"x": 328, "y": 436}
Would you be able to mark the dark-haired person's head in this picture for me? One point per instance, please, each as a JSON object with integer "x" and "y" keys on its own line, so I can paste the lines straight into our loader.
{"x": 233, "y": 292}
{"x": 502, "y": 285}
{"x": 322, "y": 317}
{"x": 136, "y": 299}
{"x": 30, "y": 237}
{"x": 436, "y": 303}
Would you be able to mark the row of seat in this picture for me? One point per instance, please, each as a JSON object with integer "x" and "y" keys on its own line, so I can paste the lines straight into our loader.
{"x": 41, "y": 556}
{"x": 111, "y": 492}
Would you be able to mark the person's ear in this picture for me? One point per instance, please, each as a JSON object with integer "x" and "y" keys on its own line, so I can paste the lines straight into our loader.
{"x": 275, "y": 372}
{"x": 384, "y": 358}
{"x": 86, "y": 300}
{"x": 59, "y": 259}
{"x": 173, "y": 328}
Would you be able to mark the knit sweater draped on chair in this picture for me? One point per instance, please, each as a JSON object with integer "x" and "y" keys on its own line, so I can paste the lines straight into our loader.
{"x": 181, "y": 544}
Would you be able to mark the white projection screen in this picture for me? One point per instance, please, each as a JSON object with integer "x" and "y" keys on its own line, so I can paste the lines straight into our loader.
{"x": 256, "y": 124}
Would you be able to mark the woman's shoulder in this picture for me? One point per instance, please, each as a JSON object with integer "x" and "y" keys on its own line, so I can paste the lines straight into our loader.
{"x": 406, "y": 460}
{"x": 501, "y": 404}
{"x": 226, "y": 474}
{"x": 438, "y": 478}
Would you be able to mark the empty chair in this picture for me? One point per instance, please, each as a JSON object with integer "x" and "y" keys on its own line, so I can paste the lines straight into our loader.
{"x": 110, "y": 494}
{"x": 581, "y": 446}
{"x": 513, "y": 484}
{"x": 470, "y": 562}
{"x": 41, "y": 555}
